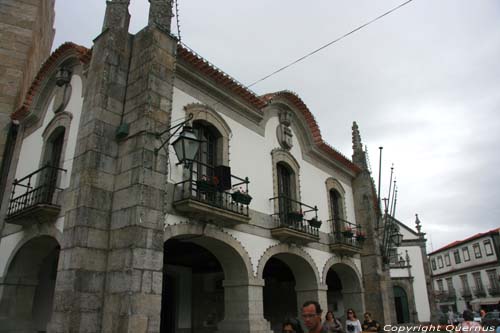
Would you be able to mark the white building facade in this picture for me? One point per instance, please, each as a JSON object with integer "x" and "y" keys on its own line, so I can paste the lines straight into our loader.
{"x": 106, "y": 230}
{"x": 466, "y": 273}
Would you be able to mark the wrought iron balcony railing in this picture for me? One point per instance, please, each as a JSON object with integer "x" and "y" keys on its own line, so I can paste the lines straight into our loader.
{"x": 466, "y": 293}
{"x": 297, "y": 216}
{"x": 346, "y": 237}
{"x": 213, "y": 192}
{"x": 346, "y": 232}
{"x": 494, "y": 290}
{"x": 479, "y": 291}
{"x": 33, "y": 191}
{"x": 446, "y": 296}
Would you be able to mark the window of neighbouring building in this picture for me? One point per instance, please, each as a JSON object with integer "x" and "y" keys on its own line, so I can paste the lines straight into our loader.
{"x": 477, "y": 250}
{"x": 449, "y": 284}
{"x": 488, "y": 248}
{"x": 440, "y": 285}
{"x": 447, "y": 260}
{"x": 440, "y": 262}
{"x": 433, "y": 263}
{"x": 465, "y": 285}
{"x": 492, "y": 277}
{"x": 479, "y": 289}
{"x": 465, "y": 252}
{"x": 456, "y": 255}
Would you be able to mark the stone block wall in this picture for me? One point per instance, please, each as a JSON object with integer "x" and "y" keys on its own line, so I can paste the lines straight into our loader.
{"x": 26, "y": 36}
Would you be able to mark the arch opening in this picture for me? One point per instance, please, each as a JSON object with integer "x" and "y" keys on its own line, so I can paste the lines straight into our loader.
{"x": 344, "y": 290}
{"x": 27, "y": 293}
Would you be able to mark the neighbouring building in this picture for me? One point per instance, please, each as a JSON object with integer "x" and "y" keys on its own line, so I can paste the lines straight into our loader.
{"x": 413, "y": 298}
{"x": 106, "y": 228}
{"x": 466, "y": 273}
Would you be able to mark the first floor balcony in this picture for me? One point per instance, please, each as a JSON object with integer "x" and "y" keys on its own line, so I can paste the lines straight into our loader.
{"x": 34, "y": 198}
{"x": 213, "y": 194}
{"x": 443, "y": 296}
{"x": 346, "y": 238}
{"x": 295, "y": 221}
{"x": 466, "y": 293}
{"x": 479, "y": 292}
{"x": 494, "y": 290}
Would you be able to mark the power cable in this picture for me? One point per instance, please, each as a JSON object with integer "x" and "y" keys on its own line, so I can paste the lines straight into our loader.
{"x": 330, "y": 43}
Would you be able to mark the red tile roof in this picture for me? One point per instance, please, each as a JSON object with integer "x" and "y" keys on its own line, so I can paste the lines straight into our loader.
{"x": 471, "y": 238}
{"x": 313, "y": 127}
{"x": 83, "y": 55}
{"x": 208, "y": 70}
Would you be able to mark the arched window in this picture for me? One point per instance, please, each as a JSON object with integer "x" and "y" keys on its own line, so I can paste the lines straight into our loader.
{"x": 209, "y": 153}
{"x": 336, "y": 205}
{"x": 286, "y": 188}
{"x": 51, "y": 162}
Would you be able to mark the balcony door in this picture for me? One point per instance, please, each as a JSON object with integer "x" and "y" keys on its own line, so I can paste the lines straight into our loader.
{"x": 335, "y": 202}
{"x": 286, "y": 186}
{"x": 52, "y": 160}
{"x": 207, "y": 157}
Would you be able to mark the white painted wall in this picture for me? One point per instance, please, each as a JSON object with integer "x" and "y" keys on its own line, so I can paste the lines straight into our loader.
{"x": 31, "y": 154}
{"x": 250, "y": 156}
{"x": 31, "y": 149}
{"x": 464, "y": 264}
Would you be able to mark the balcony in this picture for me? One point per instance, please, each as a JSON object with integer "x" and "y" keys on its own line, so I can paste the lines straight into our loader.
{"x": 466, "y": 293}
{"x": 446, "y": 296}
{"x": 213, "y": 194}
{"x": 494, "y": 290}
{"x": 347, "y": 238}
{"x": 479, "y": 292}
{"x": 34, "y": 197}
{"x": 296, "y": 222}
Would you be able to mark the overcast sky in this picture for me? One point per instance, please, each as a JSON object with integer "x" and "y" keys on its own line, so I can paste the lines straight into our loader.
{"x": 423, "y": 82}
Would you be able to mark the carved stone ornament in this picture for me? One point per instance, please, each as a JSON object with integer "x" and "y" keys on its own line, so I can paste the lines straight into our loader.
{"x": 62, "y": 90}
{"x": 284, "y": 132}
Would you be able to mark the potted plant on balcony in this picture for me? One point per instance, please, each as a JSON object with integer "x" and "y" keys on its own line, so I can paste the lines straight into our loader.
{"x": 241, "y": 196}
{"x": 314, "y": 222}
{"x": 360, "y": 236}
{"x": 348, "y": 232}
{"x": 296, "y": 216}
{"x": 207, "y": 184}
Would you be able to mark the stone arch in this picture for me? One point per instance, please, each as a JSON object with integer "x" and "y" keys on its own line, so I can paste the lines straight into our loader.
{"x": 31, "y": 233}
{"x": 233, "y": 257}
{"x": 300, "y": 262}
{"x": 205, "y": 113}
{"x": 28, "y": 287}
{"x": 348, "y": 270}
{"x": 344, "y": 286}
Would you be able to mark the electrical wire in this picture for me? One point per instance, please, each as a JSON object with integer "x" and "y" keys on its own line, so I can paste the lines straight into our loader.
{"x": 329, "y": 43}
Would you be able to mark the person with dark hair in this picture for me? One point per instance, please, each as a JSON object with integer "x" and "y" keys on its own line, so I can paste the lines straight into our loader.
{"x": 352, "y": 323}
{"x": 369, "y": 324}
{"x": 291, "y": 326}
{"x": 469, "y": 325}
{"x": 311, "y": 314}
{"x": 332, "y": 324}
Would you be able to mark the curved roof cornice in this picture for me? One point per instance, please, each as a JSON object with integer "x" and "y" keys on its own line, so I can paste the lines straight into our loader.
{"x": 64, "y": 51}
{"x": 293, "y": 99}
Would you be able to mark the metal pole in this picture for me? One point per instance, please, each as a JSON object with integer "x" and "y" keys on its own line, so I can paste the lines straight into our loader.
{"x": 393, "y": 196}
{"x": 379, "y": 180}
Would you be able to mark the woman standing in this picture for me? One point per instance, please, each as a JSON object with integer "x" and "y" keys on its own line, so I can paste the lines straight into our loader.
{"x": 352, "y": 323}
{"x": 332, "y": 324}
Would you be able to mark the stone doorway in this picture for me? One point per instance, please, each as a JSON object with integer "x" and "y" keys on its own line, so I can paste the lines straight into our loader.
{"x": 401, "y": 304}
{"x": 27, "y": 293}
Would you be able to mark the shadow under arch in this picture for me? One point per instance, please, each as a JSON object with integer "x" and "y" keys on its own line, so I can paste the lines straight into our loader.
{"x": 27, "y": 292}
{"x": 214, "y": 277}
{"x": 345, "y": 287}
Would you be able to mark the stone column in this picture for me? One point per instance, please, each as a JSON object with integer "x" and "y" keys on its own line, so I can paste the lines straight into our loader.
{"x": 135, "y": 265}
{"x": 81, "y": 279}
{"x": 244, "y": 308}
{"x": 319, "y": 295}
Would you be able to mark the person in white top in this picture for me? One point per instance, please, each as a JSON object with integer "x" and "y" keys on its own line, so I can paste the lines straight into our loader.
{"x": 352, "y": 324}
{"x": 469, "y": 325}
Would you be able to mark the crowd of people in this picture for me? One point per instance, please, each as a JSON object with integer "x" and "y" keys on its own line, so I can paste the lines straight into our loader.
{"x": 314, "y": 323}
{"x": 312, "y": 319}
